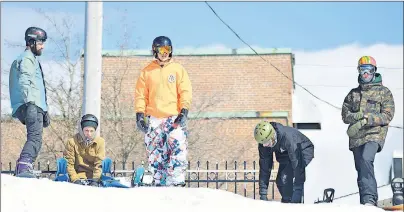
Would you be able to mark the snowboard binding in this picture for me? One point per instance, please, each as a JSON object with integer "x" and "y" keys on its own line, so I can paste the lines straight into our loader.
{"x": 328, "y": 196}
{"x": 142, "y": 177}
{"x": 90, "y": 182}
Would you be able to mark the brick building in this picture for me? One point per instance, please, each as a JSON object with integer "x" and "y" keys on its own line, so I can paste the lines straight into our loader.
{"x": 232, "y": 92}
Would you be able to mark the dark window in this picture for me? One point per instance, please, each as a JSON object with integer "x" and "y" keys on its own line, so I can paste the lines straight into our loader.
{"x": 307, "y": 126}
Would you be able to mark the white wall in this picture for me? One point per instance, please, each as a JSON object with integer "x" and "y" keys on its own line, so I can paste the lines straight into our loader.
{"x": 333, "y": 165}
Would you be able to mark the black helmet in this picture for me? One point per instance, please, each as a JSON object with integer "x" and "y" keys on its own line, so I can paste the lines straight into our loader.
{"x": 89, "y": 120}
{"x": 161, "y": 41}
{"x": 35, "y": 34}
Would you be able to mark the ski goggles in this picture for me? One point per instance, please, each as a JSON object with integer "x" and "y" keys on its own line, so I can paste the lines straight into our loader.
{"x": 370, "y": 69}
{"x": 163, "y": 49}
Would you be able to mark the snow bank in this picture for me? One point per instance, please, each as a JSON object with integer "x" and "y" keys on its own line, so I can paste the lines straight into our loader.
{"x": 42, "y": 195}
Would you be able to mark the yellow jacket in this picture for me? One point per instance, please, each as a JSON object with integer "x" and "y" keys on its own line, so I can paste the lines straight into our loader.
{"x": 163, "y": 91}
{"x": 84, "y": 161}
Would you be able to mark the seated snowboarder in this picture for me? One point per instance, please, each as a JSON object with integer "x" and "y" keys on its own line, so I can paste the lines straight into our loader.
{"x": 293, "y": 150}
{"x": 85, "y": 152}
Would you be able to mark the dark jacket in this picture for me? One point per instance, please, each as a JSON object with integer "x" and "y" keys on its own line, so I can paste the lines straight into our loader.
{"x": 294, "y": 143}
{"x": 292, "y": 147}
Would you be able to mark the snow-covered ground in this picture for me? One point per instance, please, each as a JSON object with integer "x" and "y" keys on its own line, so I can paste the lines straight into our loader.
{"x": 33, "y": 195}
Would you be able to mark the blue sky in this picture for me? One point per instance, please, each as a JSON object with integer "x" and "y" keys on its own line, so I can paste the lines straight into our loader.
{"x": 306, "y": 26}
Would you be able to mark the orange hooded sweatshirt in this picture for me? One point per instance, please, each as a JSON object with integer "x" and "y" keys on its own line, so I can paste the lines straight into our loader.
{"x": 163, "y": 91}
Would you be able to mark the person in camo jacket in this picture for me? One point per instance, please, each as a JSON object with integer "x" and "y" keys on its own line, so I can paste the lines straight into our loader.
{"x": 368, "y": 109}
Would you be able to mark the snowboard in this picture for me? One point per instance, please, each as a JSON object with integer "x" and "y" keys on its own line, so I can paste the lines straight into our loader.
{"x": 393, "y": 208}
{"x": 328, "y": 197}
{"x": 26, "y": 175}
{"x": 105, "y": 181}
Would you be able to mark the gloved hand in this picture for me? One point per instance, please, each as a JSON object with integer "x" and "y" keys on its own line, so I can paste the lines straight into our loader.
{"x": 263, "y": 197}
{"x": 182, "y": 117}
{"x": 354, "y": 129}
{"x": 358, "y": 116}
{"x": 46, "y": 120}
{"x": 141, "y": 123}
{"x": 79, "y": 182}
{"x": 94, "y": 182}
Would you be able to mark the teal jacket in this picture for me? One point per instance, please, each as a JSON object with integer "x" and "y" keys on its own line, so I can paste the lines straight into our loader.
{"x": 26, "y": 82}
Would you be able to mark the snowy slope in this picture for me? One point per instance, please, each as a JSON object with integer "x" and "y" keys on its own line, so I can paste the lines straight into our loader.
{"x": 33, "y": 195}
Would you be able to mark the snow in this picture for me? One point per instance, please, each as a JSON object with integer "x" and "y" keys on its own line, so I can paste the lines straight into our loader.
{"x": 43, "y": 195}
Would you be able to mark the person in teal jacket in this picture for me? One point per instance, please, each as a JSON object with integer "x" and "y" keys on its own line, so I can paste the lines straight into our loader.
{"x": 28, "y": 98}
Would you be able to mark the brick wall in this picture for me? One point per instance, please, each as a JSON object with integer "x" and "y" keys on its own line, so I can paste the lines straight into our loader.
{"x": 235, "y": 83}
{"x": 238, "y": 83}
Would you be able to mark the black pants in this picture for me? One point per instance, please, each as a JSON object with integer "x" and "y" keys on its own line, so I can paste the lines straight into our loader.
{"x": 265, "y": 163}
{"x": 364, "y": 157}
{"x": 32, "y": 117}
{"x": 289, "y": 190}
{"x": 290, "y": 182}
{"x": 284, "y": 181}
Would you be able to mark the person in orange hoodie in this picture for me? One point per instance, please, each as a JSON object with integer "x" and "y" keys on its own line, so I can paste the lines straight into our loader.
{"x": 84, "y": 153}
{"x": 163, "y": 96}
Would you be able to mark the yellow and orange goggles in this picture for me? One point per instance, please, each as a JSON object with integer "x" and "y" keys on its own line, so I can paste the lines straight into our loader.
{"x": 163, "y": 49}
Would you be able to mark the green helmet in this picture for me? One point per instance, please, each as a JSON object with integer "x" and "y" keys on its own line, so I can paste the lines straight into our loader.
{"x": 264, "y": 132}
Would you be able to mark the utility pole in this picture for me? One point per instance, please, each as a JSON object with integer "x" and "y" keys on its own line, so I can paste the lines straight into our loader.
{"x": 93, "y": 59}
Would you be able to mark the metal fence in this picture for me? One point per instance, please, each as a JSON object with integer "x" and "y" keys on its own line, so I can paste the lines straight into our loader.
{"x": 242, "y": 181}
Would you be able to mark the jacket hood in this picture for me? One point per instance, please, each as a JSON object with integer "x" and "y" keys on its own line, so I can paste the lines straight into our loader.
{"x": 82, "y": 138}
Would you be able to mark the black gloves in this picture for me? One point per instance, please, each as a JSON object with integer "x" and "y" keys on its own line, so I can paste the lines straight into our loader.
{"x": 140, "y": 122}
{"x": 79, "y": 182}
{"x": 28, "y": 109}
{"x": 46, "y": 120}
{"x": 94, "y": 182}
{"x": 182, "y": 117}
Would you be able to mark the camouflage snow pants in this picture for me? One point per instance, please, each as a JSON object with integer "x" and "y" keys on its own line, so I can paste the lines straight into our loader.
{"x": 166, "y": 149}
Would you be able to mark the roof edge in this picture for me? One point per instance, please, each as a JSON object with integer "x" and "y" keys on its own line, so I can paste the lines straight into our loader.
{"x": 196, "y": 52}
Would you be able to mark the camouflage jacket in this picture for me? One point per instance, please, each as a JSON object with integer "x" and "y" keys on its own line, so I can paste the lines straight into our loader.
{"x": 377, "y": 104}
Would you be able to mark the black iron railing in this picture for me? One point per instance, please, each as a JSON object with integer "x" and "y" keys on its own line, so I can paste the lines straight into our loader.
{"x": 243, "y": 181}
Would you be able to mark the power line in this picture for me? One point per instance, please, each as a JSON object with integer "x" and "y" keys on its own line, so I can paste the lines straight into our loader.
{"x": 268, "y": 61}
{"x": 347, "y": 195}
{"x": 235, "y": 33}
{"x": 341, "y": 86}
{"x": 339, "y": 66}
